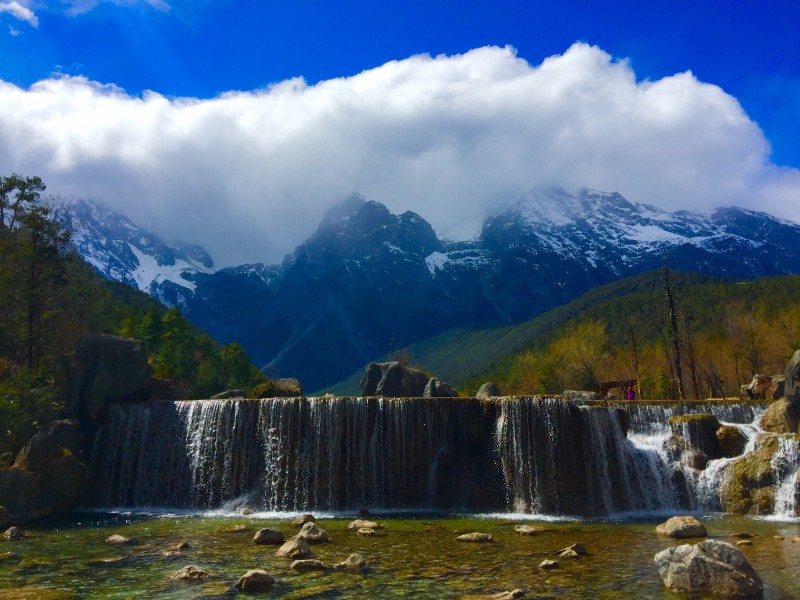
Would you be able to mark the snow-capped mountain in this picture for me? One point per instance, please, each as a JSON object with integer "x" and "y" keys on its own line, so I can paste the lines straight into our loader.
{"x": 120, "y": 250}
{"x": 369, "y": 281}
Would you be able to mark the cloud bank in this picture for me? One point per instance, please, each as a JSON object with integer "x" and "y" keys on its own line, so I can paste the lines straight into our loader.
{"x": 248, "y": 174}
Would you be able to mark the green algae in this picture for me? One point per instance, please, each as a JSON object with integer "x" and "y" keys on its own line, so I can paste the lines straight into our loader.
{"x": 417, "y": 558}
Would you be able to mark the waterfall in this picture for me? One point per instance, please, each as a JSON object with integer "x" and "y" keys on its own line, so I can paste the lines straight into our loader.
{"x": 290, "y": 454}
{"x": 529, "y": 455}
{"x": 559, "y": 458}
{"x": 786, "y": 466}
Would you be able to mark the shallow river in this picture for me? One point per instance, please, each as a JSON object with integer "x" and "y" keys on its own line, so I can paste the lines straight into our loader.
{"x": 417, "y": 558}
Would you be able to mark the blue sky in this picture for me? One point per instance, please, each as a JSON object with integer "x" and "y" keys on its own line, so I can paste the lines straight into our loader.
{"x": 204, "y": 49}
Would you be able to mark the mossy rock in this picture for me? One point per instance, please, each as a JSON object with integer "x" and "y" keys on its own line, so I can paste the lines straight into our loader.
{"x": 695, "y": 440}
{"x": 732, "y": 440}
{"x": 747, "y": 487}
{"x": 782, "y": 416}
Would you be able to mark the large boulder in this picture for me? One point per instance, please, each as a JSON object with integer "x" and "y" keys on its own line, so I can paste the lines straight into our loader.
{"x": 393, "y": 380}
{"x": 732, "y": 440}
{"x": 488, "y": 390}
{"x": 278, "y": 388}
{"x": 105, "y": 368}
{"x": 56, "y": 437}
{"x": 438, "y": 389}
{"x": 748, "y": 485}
{"x": 47, "y": 475}
{"x": 710, "y": 568}
{"x": 791, "y": 383}
{"x": 782, "y": 416}
{"x": 694, "y": 439}
{"x": 295, "y": 548}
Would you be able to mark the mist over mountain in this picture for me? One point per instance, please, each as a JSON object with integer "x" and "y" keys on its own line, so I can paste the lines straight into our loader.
{"x": 369, "y": 281}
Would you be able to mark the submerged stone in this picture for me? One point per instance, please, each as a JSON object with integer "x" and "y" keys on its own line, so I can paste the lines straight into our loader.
{"x": 475, "y": 537}
{"x": 354, "y": 562}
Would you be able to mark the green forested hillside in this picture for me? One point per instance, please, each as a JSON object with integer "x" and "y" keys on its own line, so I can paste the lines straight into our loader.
{"x": 49, "y": 298}
{"x": 726, "y": 331}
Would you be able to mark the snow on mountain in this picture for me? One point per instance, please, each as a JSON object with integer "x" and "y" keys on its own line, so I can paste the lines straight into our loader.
{"x": 120, "y": 250}
{"x": 369, "y": 281}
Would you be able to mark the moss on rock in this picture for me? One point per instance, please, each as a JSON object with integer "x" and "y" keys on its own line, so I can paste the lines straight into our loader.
{"x": 747, "y": 487}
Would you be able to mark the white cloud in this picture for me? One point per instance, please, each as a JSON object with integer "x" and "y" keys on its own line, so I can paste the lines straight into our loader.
{"x": 248, "y": 174}
{"x": 23, "y": 13}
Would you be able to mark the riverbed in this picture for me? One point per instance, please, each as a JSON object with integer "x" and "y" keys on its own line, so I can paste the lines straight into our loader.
{"x": 417, "y": 557}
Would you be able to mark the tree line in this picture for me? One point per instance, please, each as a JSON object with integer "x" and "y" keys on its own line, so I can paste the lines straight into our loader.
{"x": 694, "y": 341}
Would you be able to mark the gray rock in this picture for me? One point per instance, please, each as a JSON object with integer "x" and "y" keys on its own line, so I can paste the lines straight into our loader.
{"x": 438, "y": 389}
{"x": 475, "y": 537}
{"x": 354, "y": 562}
{"x": 528, "y": 529}
{"x": 711, "y": 567}
{"x": 509, "y": 595}
{"x": 295, "y": 549}
{"x": 255, "y": 580}
{"x": 308, "y": 564}
{"x": 191, "y": 573}
{"x": 682, "y": 527}
{"x": 288, "y": 388}
{"x": 313, "y": 534}
{"x": 362, "y": 524}
{"x": 301, "y": 520}
{"x": 268, "y": 536}
{"x": 548, "y": 564}
{"x": 392, "y": 380}
{"x": 488, "y": 390}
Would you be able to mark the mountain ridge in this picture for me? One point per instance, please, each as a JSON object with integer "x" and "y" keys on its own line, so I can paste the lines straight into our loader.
{"x": 369, "y": 281}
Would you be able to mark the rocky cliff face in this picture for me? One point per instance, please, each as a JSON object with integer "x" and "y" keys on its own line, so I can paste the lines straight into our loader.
{"x": 369, "y": 281}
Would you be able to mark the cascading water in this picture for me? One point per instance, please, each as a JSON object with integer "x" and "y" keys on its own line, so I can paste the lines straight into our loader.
{"x": 530, "y": 455}
{"x": 288, "y": 454}
{"x": 786, "y": 465}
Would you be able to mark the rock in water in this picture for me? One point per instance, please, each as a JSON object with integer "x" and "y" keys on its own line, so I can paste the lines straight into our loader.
{"x": 117, "y": 540}
{"x": 362, "y": 524}
{"x": 528, "y": 529}
{"x": 301, "y": 520}
{"x": 682, "y": 527}
{"x": 191, "y": 573}
{"x": 708, "y": 568}
{"x": 268, "y": 536}
{"x": 354, "y": 562}
{"x": 313, "y": 534}
{"x": 255, "y": 580}
{"x": 547, "y": 564}
{"x": 782, "y": 416}
{"x": 475, "y": 537}
{"x": 295, "y": 548}
{"x": 308, "y": 564}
